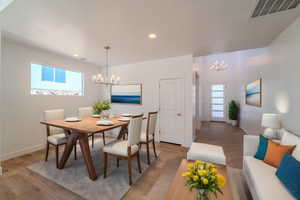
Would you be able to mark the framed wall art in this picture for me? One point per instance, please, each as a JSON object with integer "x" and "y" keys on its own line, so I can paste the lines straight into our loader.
{"x": 129, "y": 94}
{"x": 254, "y": 93}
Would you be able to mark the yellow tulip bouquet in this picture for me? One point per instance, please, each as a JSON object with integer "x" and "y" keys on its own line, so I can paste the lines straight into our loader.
{"x": 204, "y": 177}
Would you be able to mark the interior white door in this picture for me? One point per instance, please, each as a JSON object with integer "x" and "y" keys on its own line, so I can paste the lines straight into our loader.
{"x": 217, "y": 99}
{"x": 171, "y": 102}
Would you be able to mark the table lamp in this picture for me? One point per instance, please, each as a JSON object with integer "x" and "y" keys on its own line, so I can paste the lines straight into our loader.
{"x": 271, "y": 123}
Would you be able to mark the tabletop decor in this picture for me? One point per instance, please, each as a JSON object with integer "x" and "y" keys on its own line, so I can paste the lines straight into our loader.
{"x": 204, "y": 177}
{"x": 101, "y": 107}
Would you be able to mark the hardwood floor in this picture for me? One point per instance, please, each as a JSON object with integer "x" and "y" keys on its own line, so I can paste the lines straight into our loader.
{"x": 227, "y": 136}
{"x": 22, "y": 184}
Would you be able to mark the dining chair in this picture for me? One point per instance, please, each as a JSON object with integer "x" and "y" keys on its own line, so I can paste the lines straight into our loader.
{"x": 148, "y": 136}
{"x": 55, "y": 136}
{"x": 88, "y": 112}
{"x": 125, "y": 135}
{"x": 126, "y": 149}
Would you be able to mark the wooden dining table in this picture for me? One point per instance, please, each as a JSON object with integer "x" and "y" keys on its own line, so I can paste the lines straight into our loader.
{"x": 80, "y": 131}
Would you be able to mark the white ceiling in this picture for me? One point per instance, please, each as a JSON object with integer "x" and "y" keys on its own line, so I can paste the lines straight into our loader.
{"x": 197, "y": 27}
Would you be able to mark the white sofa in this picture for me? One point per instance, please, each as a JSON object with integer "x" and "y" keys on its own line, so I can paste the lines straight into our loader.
{"x": 260, "y": 177}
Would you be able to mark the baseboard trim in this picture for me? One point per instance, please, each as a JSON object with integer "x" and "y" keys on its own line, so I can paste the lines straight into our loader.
{"x": 21, "y": 152}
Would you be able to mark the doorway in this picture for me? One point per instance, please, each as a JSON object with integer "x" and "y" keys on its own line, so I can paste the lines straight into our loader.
{"x": 217, "y": 102}
{"x": 171, "y": 110}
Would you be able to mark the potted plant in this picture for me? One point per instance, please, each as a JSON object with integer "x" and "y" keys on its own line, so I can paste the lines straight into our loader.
{"x": 105, "y": 109}
{"x": 204, "y": 177}
{"x": 233, "y": 112}
{"x": 101, "y": 107}
{"x": 97, "y": 107}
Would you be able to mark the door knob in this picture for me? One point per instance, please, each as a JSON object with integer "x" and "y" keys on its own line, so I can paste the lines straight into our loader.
{"x": 178, "y": 114}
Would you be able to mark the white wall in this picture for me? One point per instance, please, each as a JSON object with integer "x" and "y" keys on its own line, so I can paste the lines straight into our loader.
{"x": 197, "y": 112}
{"x": 233, "y": 77}
{"x": 149, "y": 73}
{"x": 277, "y": 65}
{"x": 23, "y": 112}
{"x": 1, "y": 102}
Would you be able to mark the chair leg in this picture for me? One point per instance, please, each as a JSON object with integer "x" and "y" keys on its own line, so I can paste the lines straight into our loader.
{"x": 47, "y": 151}
{"x": 139, "y": 161}
{"x": 93, "y": 140}
{"x": 148, "y": 154}
{"x": 75, "y": 151}
{"x": 57, "y": 153}
{"x": 103, "y": 138}
{"x": 129, "y": 170}
{"x": 105, "y": 165}
{"x": 154, "y": 149}
{"x": 118, "y": 162}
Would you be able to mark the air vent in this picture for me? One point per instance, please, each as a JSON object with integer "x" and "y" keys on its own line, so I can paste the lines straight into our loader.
{"x": 265, "y": 7}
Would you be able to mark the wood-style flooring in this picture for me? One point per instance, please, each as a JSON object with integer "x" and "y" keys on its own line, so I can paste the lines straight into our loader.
{"x": 227, "y": 136}
{"x": 19, "y": 183}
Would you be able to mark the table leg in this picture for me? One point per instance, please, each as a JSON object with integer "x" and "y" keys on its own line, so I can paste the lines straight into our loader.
{"x": 71, "y": 141}
{"x": 85, "y": 149}
{"x": 123, "y": 131}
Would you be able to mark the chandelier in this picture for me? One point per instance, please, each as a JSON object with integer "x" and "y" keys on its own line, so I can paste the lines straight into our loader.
{"x": 99, "y": 79}
{"x": 218, "y": 66}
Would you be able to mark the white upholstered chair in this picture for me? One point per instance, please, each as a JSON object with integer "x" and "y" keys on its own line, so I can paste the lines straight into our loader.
{"x": 88, "y": 112}
{"x": 55, "y": 136}
{"x": 126, "y": 149}
{"x": 148, "y": 136}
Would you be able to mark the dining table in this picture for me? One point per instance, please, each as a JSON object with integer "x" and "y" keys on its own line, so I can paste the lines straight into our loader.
{"x": 80, "y": 130}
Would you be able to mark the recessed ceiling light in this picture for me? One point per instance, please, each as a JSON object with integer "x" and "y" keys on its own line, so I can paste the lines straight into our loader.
{"x": 152, "y": 36}
{"x": 75, "y": 55}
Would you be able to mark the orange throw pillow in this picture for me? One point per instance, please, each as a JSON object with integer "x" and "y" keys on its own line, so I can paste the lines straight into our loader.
{"x": 276, "y": 152}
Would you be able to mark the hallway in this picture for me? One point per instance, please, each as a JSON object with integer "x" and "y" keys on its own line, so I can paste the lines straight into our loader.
{"x": 227, "y": 136}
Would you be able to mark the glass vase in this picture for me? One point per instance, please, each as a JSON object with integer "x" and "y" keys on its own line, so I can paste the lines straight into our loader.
{"x": 202, "y": 194}
{"x": 105, "y": 114}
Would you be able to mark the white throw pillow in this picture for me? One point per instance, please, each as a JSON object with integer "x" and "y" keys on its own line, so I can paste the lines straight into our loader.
{"x": 289, "y": 138}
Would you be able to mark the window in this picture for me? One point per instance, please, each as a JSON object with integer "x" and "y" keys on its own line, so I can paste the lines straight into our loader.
{"x": 46, "y": 80}
{"x": 53, "y": 74}
{"x": 217, "y": 102}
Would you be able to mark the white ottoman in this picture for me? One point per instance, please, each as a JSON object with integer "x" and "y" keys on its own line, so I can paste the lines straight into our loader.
{"x": 207, "y": 152}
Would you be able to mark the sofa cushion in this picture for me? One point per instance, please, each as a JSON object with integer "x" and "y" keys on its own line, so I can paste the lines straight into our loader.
{"x": 262, "y": 148}
{"x": 262, "y": 176}
{"x": 276, "y": 152}
{"x": 289, "y": 138}
{"x": 289, "y": 174}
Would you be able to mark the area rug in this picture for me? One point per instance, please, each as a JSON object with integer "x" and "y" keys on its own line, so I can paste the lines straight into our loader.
{"x": 238, "y": 184}
{"x": 74, "y": 176}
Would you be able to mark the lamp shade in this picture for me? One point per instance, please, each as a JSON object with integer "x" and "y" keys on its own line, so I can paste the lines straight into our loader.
{"x": 270, "y": 120}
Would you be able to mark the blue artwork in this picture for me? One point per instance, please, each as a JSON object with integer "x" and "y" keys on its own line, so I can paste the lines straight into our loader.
{"x": 253, "y": 93}
{"x": 131, "y": 94}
